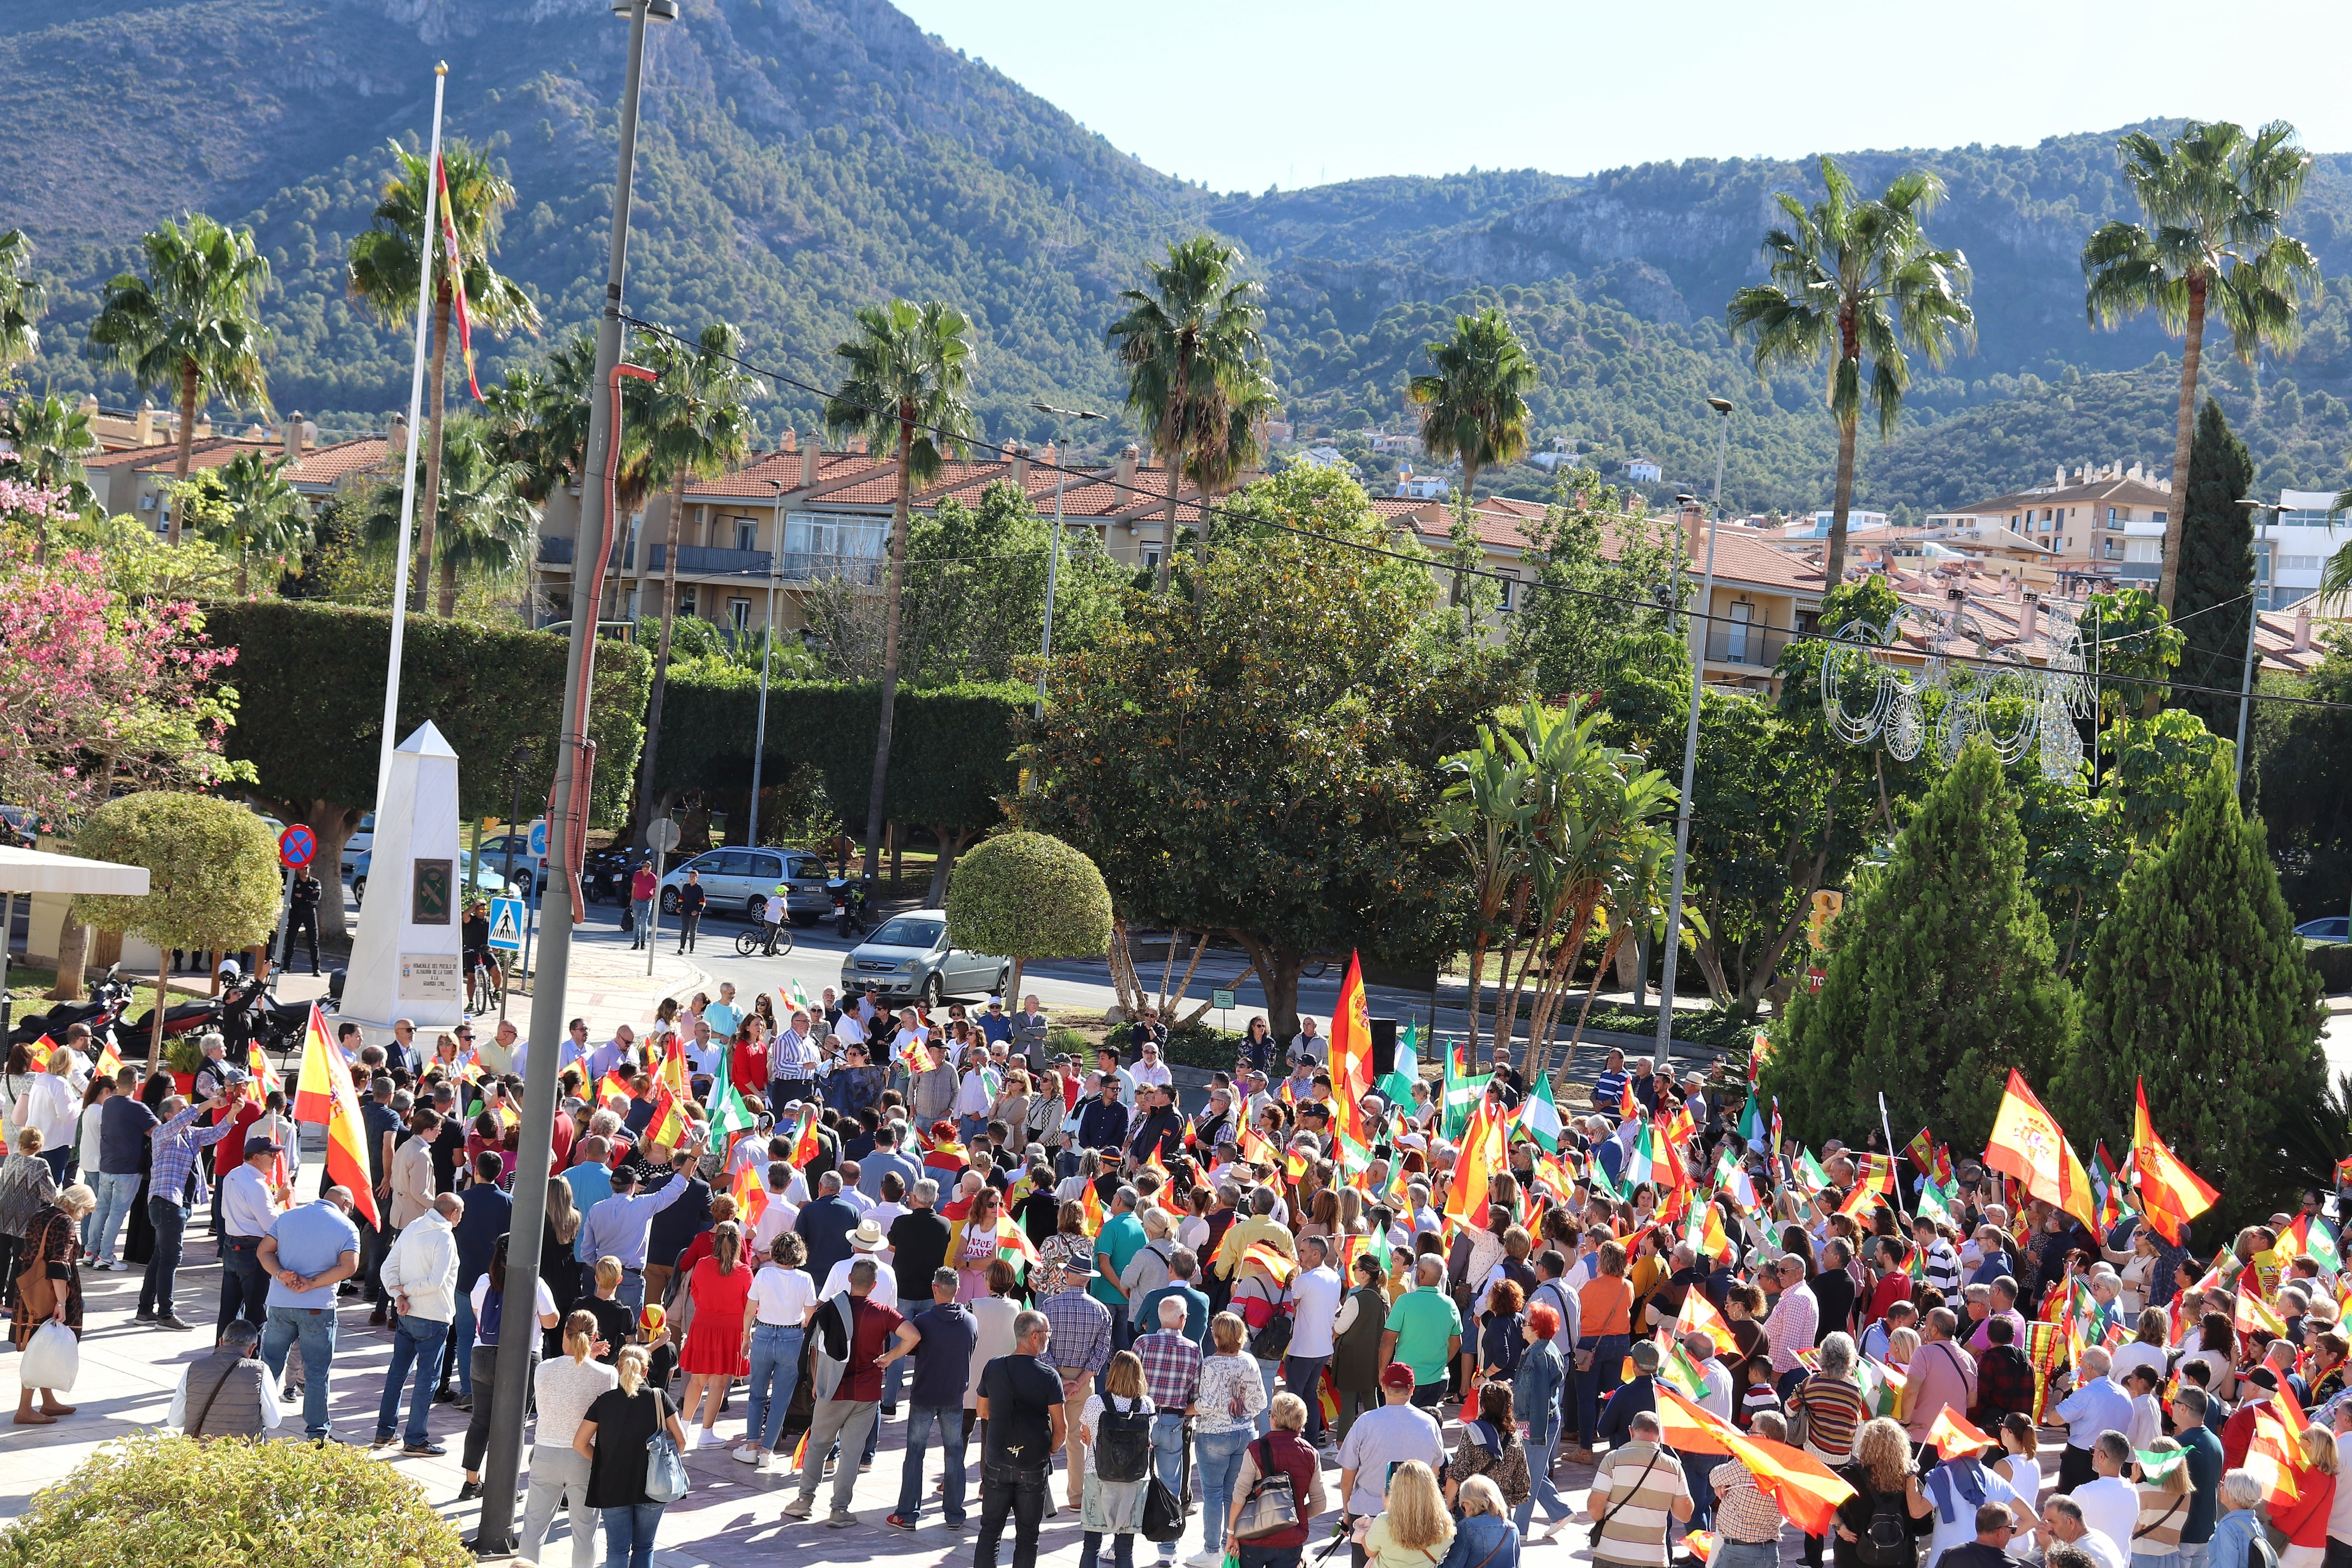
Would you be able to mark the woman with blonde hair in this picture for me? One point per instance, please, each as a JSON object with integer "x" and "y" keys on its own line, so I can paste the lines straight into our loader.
{"x": 1486, "y": 1537}
{"x": 2303, "y": 1519}
{"x": 1069, "y": 1242}
{"x": 1116, "y": 1427}
{"x": 1228, "y": 1400}
{"x": 713, "y": 1356}
{"x": 2163, "y": 1510}
{"x": 614, "y": 1438}
{"x": 1413, "y": 1529}
{"x": 567, "y": 1384}
{"x": 1284, "y": 1452}
{"x": 558, "y": 1266}
{"x": 1881, "y": 1472}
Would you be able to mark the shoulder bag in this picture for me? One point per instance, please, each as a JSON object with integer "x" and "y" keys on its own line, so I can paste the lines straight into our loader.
{"x": 1272, "y": 1504}
{"x": 1593, "y": 1536}
{"x": 665, "y": 1477}
{"x": 1165, "y": 1508}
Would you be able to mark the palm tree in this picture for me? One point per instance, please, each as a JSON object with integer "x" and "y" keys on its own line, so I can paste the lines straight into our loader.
{"x": 1188, "y": 349}
{"x": 1857, "y": 280}
{"x": 21, "y": 298}
{"x": 1486, "y": 812}
{"x": 383, "y": 276}
{"x": 907, "y": 383}
{"x": 2214, "y": 200}
{"x": 1218, "y": 460}
{"x": 261, "y": 514}
{"x": 51, "y": 437}
{"x": 1476, "y": 412}
{"x": 192, "y": 325}
{"x": 485, "y": 522}
{"x": 699, "y": 425}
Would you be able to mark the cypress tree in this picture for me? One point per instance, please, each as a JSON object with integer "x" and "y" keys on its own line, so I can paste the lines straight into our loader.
{"x": 2199, "y": 986}
{"x": 1941, "y": 977}
{"x": 2217, "y": 569}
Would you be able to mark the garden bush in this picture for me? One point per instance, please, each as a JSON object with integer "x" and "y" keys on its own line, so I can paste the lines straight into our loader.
{"x": 160, "y": 1501}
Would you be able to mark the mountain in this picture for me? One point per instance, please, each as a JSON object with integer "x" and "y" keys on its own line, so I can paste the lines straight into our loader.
{"x": 803, "y": 157}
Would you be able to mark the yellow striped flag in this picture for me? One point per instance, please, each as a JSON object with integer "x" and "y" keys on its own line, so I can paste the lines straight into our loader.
{"x": 338, "y": 1105}
{"x": 1268, "y": 1256}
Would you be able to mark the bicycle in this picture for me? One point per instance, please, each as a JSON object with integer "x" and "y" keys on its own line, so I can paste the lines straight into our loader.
{"x": 767, "y": 939}
{"x": 484, "y": 986}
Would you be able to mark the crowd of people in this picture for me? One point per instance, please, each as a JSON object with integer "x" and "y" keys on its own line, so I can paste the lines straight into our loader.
{"x": 1058, "y": 1262}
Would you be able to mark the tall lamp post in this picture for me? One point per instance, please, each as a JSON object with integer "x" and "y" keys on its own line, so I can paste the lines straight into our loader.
{"x": 767, "y": 647}
{"x": 1665, "y": 1048}
{"x": 1054, "y": 565}
{"x": 511, "y": 1389}
{"x": 2253, "y": 623}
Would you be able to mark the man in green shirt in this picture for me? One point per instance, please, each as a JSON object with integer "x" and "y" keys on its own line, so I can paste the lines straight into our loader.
{"x": 1424, "y": 1332}
{"x": 1121, "y": 1239}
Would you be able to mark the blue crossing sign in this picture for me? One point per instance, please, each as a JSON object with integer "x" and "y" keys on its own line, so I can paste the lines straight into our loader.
{"x": 506, "y": 924}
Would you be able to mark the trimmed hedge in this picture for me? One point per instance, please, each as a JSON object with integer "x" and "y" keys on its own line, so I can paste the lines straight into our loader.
{"x": 950, "y": 749}
{"x": 1029, "y": 895}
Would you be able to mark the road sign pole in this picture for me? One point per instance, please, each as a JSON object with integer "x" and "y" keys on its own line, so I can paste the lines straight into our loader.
{"x": 285, "y": 913}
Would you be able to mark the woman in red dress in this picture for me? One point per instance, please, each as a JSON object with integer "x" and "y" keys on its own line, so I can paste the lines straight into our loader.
{"x": 720, "y": 1289}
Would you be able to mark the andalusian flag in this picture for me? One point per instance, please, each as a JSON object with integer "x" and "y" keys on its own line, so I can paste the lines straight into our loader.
{"x": 2155, "y": 1466}
{"x": 325, "y": 1088}
{"x": 796, "y": 1000}
{"x": 1397, "y": 1083}
{"x": 1675, "y": 1367}
{"x": 1751, "y": 1124}
{"x": 2311, "y": 1236}
{"x": 1013, "y": 1242}
{"x": 1540, "y": 1115}
{"x": 1882, "y": 1385}
{"x": 1351, "y": 1054}
{"x": 1810, "y": 1174}
{"x": 2170, "y": 1194}
{"x": 2027, "y": 1143}
{"x": 729, "y": 1114}
{"x": 1935, "y": 1203}
{"x": 1462, "y": 1095}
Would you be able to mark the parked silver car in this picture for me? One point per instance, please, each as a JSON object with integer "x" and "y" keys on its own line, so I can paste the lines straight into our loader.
{"x": 911, "y": 956}
{"x": 738, "y": 881}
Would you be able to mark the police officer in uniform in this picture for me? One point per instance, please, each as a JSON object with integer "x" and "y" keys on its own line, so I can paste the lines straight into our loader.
{"x": 304, "y": 920}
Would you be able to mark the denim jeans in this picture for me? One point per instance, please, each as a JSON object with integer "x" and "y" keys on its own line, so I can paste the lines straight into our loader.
{"x": 1745, "y": 1554}
{"x": 244, "y": 1284}
{"x": 171, "y": 1222}
{"x": 461, "y": 1347}
{"x": 1271, "y": 1556}
{"x": 1122, "y": 1550}
{"x": 775, "y": 1372}
{"x": 1219, "y": 1456}
{"x": 115, "y": 1196}
{"x": 315, "y": 1327}
{"x": 1168, "y": 1462}
{"x": 1598, "y": 1381}
{"x": 641, "y": 912}
{"x": 2193, "y": 1554}
{"x": 414, "y": 1339}
{"x": 1266, "y": 1371}
{"x": 1698, "y": 1478}
{"x": 629, "y": 1535}
{"x": 61, "y": 1164}
{"x": 919, "y": 1420}
{"x": 1018, "y": 1490}
{"x": 1300, "y": 1373}
{"x": 893, "y": 1376}
{"x": 1541, "y": 1491}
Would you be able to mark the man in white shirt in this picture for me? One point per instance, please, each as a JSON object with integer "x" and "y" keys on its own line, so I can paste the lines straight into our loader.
{"x": 705, "y": 1051}
{"x": 2063, "y": 1522}
{"x": 1315, "y": 1296}
{"x": 850, "y": 1030}
{"x": 248, "y": 1210}
{"x": 1152, "y": 1072}
{"x": 791, "y": 1056}
{"x": 2110, "y": 1504}
{"x": 778, "y": 1217}
{"x": 866, "y": 1243}
{"x": 575, "y": 1048}
{"x": 238, "y": 1341}
{"x": 861, "y": 1202}
{"x": 776, "y": 914}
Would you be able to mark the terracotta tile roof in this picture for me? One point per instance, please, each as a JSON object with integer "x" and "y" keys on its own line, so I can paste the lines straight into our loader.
{"x": 166, "y": 454}
{"x": 860, "y": 480}
{"x": 327, "y": 465}
{"x": 2126, "y": 492}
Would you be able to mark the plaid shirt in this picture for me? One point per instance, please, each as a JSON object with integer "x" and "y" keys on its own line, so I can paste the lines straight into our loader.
{"x": 1743, "y": 1513}
{"x": 175, "y": 1173}
{"x": 1081, "y": 1327}
{"x": 1172, "y": 1370}
{"x": 2004, "y": 1384}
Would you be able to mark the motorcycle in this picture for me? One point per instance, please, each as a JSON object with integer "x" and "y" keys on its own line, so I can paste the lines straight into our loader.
{"x": 100, "y": 1010}
{"x": 849, "y": 917}
{"x": 605, "y": 874}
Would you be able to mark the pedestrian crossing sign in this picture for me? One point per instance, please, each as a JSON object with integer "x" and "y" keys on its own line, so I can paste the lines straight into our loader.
{"x": 506, "y": 924}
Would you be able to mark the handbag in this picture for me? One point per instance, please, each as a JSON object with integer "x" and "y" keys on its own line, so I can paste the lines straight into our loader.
{"x": 665, "y": 1477}
{"x": 1164, "y": 1508}
{"x": 1272, "y": 1504}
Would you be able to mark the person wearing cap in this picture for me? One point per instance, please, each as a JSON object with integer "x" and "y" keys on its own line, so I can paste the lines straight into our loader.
{"x": 1638, "y": 1395}
{"x": 1081, "y": 1345}
{"x": 249, "y": 1208}
{"x": 1384, "y": 1438}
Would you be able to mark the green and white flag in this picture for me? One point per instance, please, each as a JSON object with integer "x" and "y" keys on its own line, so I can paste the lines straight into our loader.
{"x": 1397, "y": 1083}
{"x": 1462, "y": 1097}
{"x": 1540, "y": 1116}
{"x": 2156, "y": 1466}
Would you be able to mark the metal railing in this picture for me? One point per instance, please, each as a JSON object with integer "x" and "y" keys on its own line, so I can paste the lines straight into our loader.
{"x": 1757, "y": 647}
{"x": 709, "y": 561}
{"x": 863, "y": 570}
{"x": 556, "y": 550}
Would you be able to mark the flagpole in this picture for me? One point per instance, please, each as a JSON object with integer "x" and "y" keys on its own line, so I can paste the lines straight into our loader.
{"x": 425, "y": 247}
{"x": 1885, "y": 1127}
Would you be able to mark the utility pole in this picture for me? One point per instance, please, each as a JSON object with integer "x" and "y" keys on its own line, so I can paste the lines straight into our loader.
{"x": 767, "y": 647}
{"x": 574, "y": 760}
{"x": 1665, "y": 1048}
{"x": 1054, "y": 566}
{"x": 2253, "y": 623}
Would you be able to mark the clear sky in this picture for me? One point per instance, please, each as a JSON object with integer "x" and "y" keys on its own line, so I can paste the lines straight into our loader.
{"x": 1242, "y": 94}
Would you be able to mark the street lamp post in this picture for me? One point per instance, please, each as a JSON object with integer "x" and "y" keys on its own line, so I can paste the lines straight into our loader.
{"x": 1054, "y": 565}
{"x": 1690, "y": 750}
{"x": 510, "y": 1388}
{"x": 767, "y": 647}
{"x": 2253, "y": 623}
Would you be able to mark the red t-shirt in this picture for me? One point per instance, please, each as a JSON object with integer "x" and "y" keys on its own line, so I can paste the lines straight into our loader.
{"x": 1893, "y": 1286}
{"x": 559, "y": 1142}
{"x": 747, "y": 1066}
{"x": 876, "y": 1325}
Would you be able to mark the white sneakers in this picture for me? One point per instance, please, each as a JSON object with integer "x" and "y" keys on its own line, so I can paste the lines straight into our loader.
{"x": 693, "y": 1438}
{"x": 748, "y": 1455}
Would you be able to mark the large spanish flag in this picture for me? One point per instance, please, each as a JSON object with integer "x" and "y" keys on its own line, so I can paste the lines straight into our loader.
{"x": 2027, "y": 1143}
{"x": 1351, "y": 1054}
{"x": 1482, "y": 1154}
{"x": 1807, "y": 1490}
{"x": 325, "y": 1094}
{"x": 2171, "y": 1193}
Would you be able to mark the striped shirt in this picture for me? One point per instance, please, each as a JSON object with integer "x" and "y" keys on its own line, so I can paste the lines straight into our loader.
{"x": 1637, "y": 1485}
{"x": 1834, "y": 1412}
{"x": 1940, "y": 1267}
{"x": 2162, "y": 1516}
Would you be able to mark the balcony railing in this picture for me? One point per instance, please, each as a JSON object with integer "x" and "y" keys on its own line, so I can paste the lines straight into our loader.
{"x": 709, "y": 561}
{"x": 863, "y": 570}
{"x": 556, "y": 549}
{"x": 1757, "y": 647}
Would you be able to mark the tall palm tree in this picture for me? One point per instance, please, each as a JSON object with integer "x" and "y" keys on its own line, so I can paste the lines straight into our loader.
{"x": 262, "y": 515}
{"x": 907, "y": 382}
{"x": 193, "y": 325}
{"x": 21, "y": 298}
{"x": 1187, "y": 346}
{"x": 1857, "y": 280}
{"x": 1220, "y": 459}
{"x": 381, "y": 275}
{"x": 2214, "y": 201}
{"x": 1476, "y": 412}
{"x": 698, "y": 424}
{"x": 485, "y": 522}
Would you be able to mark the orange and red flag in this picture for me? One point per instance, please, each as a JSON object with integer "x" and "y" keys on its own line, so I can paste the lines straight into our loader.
{"x": 2027, "y": 1143}
{"x": 2171, "y": 1193}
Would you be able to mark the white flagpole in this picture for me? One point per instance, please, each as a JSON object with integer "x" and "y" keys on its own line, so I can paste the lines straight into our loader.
{"x": 427, "y": 243}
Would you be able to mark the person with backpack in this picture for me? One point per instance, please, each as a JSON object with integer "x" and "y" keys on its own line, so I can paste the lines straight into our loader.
{"x": 1115, "y": 1425}
{"x": 1875, "y": 1526}
{"x": 1278, "y": 1468}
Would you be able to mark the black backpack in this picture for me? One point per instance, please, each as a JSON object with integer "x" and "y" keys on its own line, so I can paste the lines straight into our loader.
{"x": 1886, "y": 1542}
{"x": 1123, "y": 1443}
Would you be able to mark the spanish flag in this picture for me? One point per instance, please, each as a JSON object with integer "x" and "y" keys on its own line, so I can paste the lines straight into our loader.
{"x": 1953, "y": 1436}
{"x": 668, "y": 1126}
{"x": 109, "y": 1061}
{"x": 263, "y": 1081}
{"x": 2273, "y": 1455}
{"x": 1699, "y": 1316}
{"x": 1256, "y": 1149}
{"x": 1268, "y": 1256}
{"x": 750, "y": 1191}
{"x": 1351, "y": 1054}
{"x": 2027, "y": 1143}
{"x": 1807, "y": 1491}
{"x": 1482, "y": 1154}
{"x": 326, "y": 1089}
{"x": 2171, "y": 1193}
{"x": 613, "y": 1083}
{"x": 1091, "y": 1202}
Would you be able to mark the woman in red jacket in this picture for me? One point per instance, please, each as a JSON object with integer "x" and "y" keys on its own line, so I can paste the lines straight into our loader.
{"x": 1284, "y": 1451}
{"x": 747, "y": 1061}
{"x": 2303, "y": 1519}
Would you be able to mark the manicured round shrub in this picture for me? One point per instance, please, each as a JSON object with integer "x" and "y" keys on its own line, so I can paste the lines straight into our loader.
{"x": 232, "y": 1504}
{"x": 1029, "y": 895}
